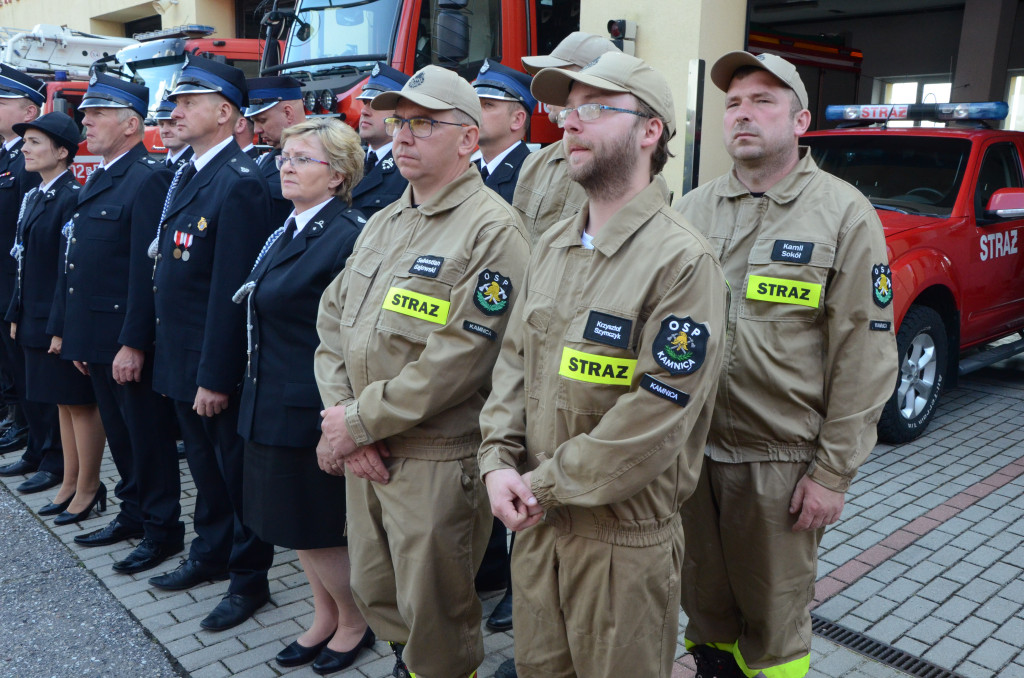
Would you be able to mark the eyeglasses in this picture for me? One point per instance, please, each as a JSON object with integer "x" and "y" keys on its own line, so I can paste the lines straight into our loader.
{"x": 591, "y": 112}
{"x": 297, "y": 161}
{"x": 420, "y": 127}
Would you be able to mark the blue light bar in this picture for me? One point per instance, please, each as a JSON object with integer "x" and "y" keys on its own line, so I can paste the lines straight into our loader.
{"x": 988, "y": 110}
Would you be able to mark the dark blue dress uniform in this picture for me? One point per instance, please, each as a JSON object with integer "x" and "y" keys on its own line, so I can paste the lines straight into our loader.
{"x": 164, "y": 109}
{"x": 108, "y": 303}
{"x": 44, "y": 449}
{"x": 502, "y": 83}
{"x": 264, "y": 94}
{"x": 40, "y": 248}
{"x": 504, "y": 178}
{"x": 211, "y": 232}
{"x": 279, "y": 413}
{"x": 382, "y": 183}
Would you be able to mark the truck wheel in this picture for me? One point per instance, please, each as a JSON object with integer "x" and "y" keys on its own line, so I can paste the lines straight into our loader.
{"x": 921, "y": 342}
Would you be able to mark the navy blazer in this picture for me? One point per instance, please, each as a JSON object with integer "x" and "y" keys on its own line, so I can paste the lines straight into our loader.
{"x": 182, "y": 159}
{"x": 280, "y": 205}
{"x": 504, "y": 178}
{"x": 280, "y": 403}
{"x": 105, "y": 292}
{"x": 378, "y": 189}
{"x": 15, "y": 182}
{"x": 223, "y": 216}
{"x": 39, "y": 232}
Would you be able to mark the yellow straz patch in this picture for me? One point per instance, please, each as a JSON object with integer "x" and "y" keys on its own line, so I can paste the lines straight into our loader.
{"x": 596, "y": 369}
{"x": 417, "y": 305}
{"x": 783, "y": 291}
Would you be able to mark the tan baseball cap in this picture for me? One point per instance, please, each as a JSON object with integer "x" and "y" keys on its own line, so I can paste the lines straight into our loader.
{"x": 576, "y": 49}
{"x": 614, "y": 72}
{"x": 435, "y": 88}
{"x": 725, "y": 67}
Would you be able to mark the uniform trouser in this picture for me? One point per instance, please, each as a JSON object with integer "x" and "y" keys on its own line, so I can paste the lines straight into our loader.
{"x": 415, "y": 544}
{"x": 589, "y": 608}
{"x": 139, "y": 425}
{"x": 747, "y": 577}
{"x": 215, "y": 454}
{"x": 495, "y": 567}
{"x": 43, "y": 448}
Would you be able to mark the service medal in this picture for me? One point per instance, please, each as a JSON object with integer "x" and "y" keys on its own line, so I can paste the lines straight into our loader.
{"x": 176, "y": 253}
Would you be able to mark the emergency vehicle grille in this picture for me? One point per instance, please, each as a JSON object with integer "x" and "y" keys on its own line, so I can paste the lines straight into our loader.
{"x": 886, "y": 654}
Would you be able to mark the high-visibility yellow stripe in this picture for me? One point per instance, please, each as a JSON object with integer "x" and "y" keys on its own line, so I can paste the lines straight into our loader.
{"x": 783, "y": 291}
{"x": 797, "y": 668}
{"x": 417, "y": 305}
{"x": 596, "y": 369}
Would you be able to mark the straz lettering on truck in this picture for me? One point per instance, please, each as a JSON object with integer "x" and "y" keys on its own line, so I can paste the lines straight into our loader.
{"x": 417, "y": 305}
{"x": 596, "y": 369}
{"x": 783, "y": 291}
{"x": 998, "y": 244}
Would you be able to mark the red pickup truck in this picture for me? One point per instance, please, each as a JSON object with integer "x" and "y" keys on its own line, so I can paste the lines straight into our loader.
{"x": 952, "y": 203}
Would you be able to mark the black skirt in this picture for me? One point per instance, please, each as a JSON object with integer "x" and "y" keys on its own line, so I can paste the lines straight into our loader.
{"x": 50, "y": 379}
{"x": 288, "y": 501}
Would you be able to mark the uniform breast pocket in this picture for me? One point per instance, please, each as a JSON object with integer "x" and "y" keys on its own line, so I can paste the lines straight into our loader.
{"x": 536, "y": 320}
{"x": 528, "y": 201}
{"x": 103, "y": 222}
{"x": 597, "y": 361}
{"x": 361, "y": 269}
{"x": 7, "y": 182}
{"x": 786, "y": 280}
{"x": 194, "y": 225}
{"x": 416, "y": 305}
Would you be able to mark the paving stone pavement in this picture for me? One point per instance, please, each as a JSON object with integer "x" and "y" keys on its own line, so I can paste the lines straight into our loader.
{"x": 928, "y": 557}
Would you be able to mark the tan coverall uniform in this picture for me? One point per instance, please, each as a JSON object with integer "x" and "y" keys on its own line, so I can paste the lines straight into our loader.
{"x": 810, "y": 362}
{"x": 409, "y": 333}
{"x": 603, "y": 389}
{"x": 545, "y": 194}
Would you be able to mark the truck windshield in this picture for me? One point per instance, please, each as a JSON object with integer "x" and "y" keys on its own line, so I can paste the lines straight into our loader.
{"x": 917, "y": 175}
{"x": 159, "y": 75}
{"x": 342, "y": 29}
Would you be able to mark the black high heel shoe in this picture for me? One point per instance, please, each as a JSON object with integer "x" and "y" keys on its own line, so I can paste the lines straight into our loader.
{"x": 53, "y": 509}
{"x": 100, "y": 498}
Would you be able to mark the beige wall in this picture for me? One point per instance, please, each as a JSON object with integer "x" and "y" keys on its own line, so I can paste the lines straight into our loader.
{"x": 107, "y": 17}
{"x": 669, "y": 35}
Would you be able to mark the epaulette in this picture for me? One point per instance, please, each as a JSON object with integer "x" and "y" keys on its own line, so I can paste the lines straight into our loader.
{"x": 242, "y": 169}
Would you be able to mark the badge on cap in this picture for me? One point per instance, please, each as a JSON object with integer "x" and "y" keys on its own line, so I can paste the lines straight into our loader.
{"x": 486, "y": 67}
{"x": 680, "y": 345}
{"x": 93, "y": 78}
{"x": 492, "y": 292}
{"x": 376, "y": 70}
{"x": 416, "y": 81}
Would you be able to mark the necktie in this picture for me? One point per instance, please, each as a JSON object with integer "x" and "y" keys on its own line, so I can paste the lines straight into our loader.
{"x": 369, "y": 163}
{"x": 96, "y": 174}
{"x": 484, "y": 172}
{"x": 289, "y": 229}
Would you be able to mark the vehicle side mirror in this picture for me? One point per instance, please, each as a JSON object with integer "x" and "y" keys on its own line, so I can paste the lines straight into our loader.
{"x": 451, "y": 31}
{"x": 60, "y": 104}
{"x": 1006, "y": 203}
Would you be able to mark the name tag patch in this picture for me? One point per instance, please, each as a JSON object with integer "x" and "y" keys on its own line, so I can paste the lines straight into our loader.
{"x": 479, "y": 329}
{"x": 792, "y": 251}
{"x": 596, "y": 369}
{"x": 665, "y": 391}
{"x": 783, "y": 291}
{"x": 428, "y": 266}
{"x": 880, "y": 325}
{"x": 608, "y": 329}
{"x": 417, "y": 305}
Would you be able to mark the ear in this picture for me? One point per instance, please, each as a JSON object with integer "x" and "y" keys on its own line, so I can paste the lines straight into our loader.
{"x": 31, "y": 113}
{"x": 337, "y": 179}
{"x": 133, "y": 126}
{"x": 224, "y": 113}
{"x": 519, "y": 118}
{"x": 802, "y": 122}
{"x": 651, "y": 132}
{"x": 469, "y": 140}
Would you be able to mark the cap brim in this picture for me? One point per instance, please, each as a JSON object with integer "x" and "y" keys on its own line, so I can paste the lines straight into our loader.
{"x": 722, "y": 71}
{"x": 192, "y": 88}
{"x": 552, "y": 85}
{"x": 388, "y": 101}
{"x": 534, "y": 64}
{"x": 256, "y": 110}
{"x": 102, "y": 102}
{"x": 369, "y": 93}
{"x": 488, "y": 92}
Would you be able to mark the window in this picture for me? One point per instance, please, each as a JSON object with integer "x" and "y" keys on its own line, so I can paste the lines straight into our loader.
{"x": 999, "y": 169}
{"x": 1015, "y": 98}
{"x": 917, "y": 91}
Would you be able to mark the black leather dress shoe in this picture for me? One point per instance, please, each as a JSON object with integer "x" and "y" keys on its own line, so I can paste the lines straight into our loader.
{"x": 297, "y": 655}
{"x": 111, "y": 534}
{"x": 501, "y": 616}
{"x": 507, "y": 669}
{"x": 18, "y": 468}
{"x": 42, "y": 480}
{"x": 330, "y": 660}
{"x": 14, "y": 438}
{"x": 189, "y": 573}
{"x": 147, "y": 555}
{"x": 234, "y": 609}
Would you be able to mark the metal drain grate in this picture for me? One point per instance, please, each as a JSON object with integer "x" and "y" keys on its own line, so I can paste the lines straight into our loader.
{"x": 886, "y": 654}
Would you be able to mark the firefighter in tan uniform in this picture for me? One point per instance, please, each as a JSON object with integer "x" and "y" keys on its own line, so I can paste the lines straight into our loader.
{"x": 595, "y": 428}
{"x": 811, "y": 360}
{"x": 409, "y": 334}
{"x": 545, "y": 194}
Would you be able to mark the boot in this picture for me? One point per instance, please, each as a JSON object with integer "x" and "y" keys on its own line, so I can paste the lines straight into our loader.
{"x": 714, "y": 663}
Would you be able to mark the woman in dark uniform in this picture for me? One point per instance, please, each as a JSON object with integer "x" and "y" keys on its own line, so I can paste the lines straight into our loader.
{"x": 288, "y": 500}
{"x": 50, "y": 145}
